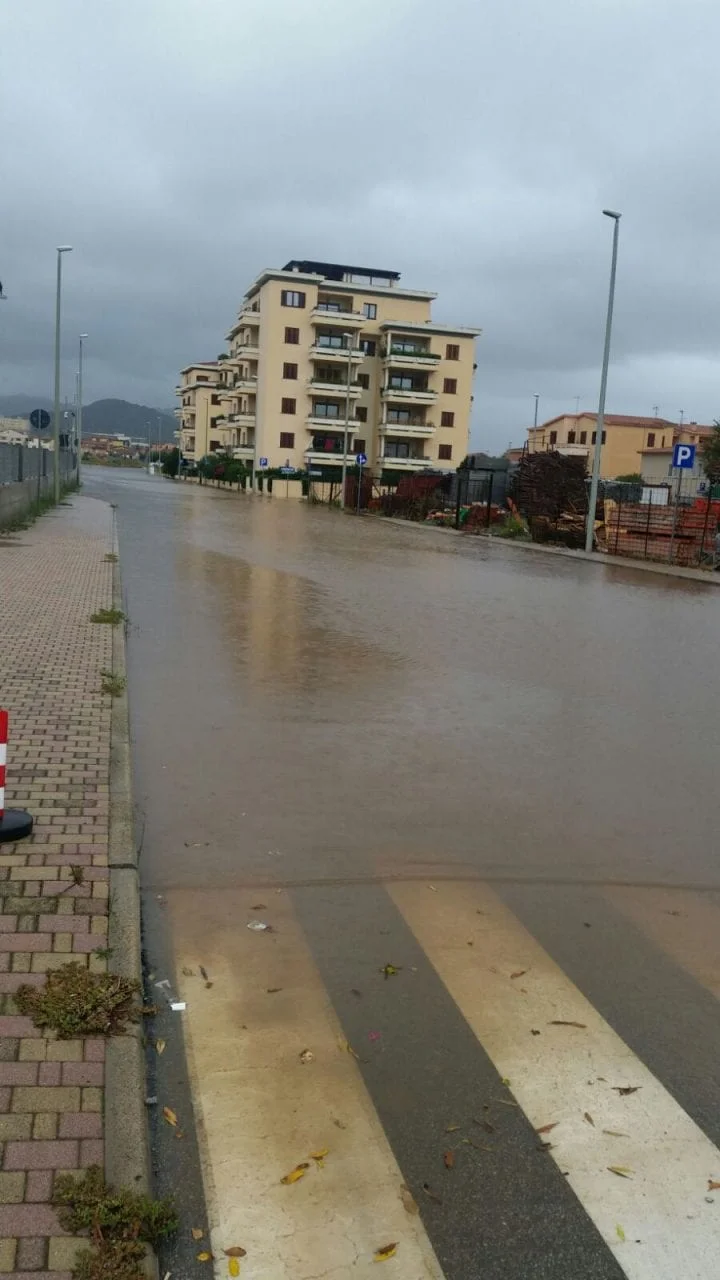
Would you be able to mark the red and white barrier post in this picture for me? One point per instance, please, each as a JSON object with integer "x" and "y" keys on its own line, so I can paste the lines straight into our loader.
{"x": 15, "y": 824}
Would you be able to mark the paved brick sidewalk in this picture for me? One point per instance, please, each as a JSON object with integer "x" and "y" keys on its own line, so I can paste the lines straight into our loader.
{"x": 52, "y": 578}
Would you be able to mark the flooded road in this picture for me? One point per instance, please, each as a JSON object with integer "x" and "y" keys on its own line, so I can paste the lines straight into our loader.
{"x": 470, "y": 791}
{"x": 354, "y": 698}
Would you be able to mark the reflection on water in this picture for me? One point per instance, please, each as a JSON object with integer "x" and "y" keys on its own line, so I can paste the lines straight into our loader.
{"x": 320, "y": 696}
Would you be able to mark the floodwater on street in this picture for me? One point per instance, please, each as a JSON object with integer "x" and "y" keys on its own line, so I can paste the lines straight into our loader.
{"x": 428, "y": 857}
{"x": 316, "y": 697}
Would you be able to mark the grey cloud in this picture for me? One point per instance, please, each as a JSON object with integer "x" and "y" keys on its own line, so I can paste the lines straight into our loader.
{"x": 182, "y": 145}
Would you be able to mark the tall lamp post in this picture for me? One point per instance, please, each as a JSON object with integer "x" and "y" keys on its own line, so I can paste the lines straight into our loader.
{"x": 349, "y": 342}
{"x": 592, "y": 505}
{"x": 535, "y": 418}
{"x": 62, "y": 248}
{"x": 78, "y": 421}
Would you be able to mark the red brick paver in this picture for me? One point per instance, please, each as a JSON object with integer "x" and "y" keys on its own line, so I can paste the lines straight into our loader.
{"x": 52, "y": 578}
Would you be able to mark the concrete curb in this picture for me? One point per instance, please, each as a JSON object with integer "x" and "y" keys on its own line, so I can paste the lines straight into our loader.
{"x": 127, "y": 1146}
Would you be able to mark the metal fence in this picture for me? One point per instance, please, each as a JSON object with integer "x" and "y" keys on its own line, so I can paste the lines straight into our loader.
{"x": 19, "y": 462}
{"x": 672, "y": 523}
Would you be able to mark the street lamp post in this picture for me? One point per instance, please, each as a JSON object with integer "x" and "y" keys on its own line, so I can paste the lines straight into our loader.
{"x": 63, "y": 248}
{"x": 537, "y": 400}
{"x": 350, "y": 346}
{"x": 592, "y": 505}
{"x": 78, "y": 420}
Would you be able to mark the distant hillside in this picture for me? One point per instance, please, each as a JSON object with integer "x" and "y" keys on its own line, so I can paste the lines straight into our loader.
{"x": 119, "y": 417}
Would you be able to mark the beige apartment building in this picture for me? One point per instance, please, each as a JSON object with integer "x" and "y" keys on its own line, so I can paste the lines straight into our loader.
{"x": 302, "y": 334}
{"x": 627, "y": 440}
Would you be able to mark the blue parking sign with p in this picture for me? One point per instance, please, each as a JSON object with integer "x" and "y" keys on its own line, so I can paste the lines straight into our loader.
{"x": 683, "y": 455}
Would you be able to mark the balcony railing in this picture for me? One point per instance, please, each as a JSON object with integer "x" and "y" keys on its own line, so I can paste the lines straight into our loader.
{"x": 324, "y": 313}
{"x": 408, "y": 464}
{"x": 334, "y": 424}
{"x": 420, "y": 395}
{"x": 406, "y": 351}
{"x": 415, "y": 427}
{"x": 336, "y": 353}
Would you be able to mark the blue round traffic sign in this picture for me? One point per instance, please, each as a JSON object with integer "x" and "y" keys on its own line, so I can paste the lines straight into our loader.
{"x": 361, "y": 459}
{"x": 40, "y": 419}
{"x": 262, "y": 462}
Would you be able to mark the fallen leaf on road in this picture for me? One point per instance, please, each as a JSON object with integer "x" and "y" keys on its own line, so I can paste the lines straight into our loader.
{"x": 621, "y": 1170}
{"x": 588, "y": 1117}
{"x": 188, "y": 973}
{"x": 233, "y": 1267}
{"x": 560, "y": 1022}
{"x": 505, "y": 1102}
{"x": 259, "y": 906}
{"x": 432, "y": 888}
{"x": 295, "y": 1174}
{"x": 547, "y": 1127}
{"x": 432, "y": 1195}
{"x": 533, "y": 1032}
{"x": 409, "y": 1202}
{"x": 713, "y": 1186}
{"x": 272, "y": 991}
{"x": 479, "y": 1146}
{"x": 518, "y": 973}
{"x": 389, "y": 970}
{"x": 452, "y": 1128}
{"x": 205, "y": 1256}
{"x": 320, "y": 1155}
{"x": 619, "y": 1232}
{"x": 169, "y": 1115}
{"x": 339, "y": 1124}
{"x": 160, "y": 1046}
{"x": 203, "y": 973}
{"x": 449, "y": 1159}
{"x": 614, "y": 1133}
{"x": 307, "y": 1055}
{"x": 197, "y": 1233}
{"x": 235, "y": 1251}
{"x": 387, "y": 1251}
{"x": 343, "y": 1045}
{"x": 625, "y": 1089}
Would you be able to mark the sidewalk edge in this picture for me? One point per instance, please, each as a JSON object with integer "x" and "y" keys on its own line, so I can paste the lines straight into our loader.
{"x": 127, "y": 1147}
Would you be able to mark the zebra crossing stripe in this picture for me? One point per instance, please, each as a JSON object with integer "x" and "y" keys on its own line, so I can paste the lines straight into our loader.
{"x": 636, "y": 1161}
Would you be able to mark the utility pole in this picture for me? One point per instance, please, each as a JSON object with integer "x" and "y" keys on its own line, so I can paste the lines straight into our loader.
{"x": 63, "y": 248}
{"x": 78, "y": 422}
{"x": 592, "y": 505}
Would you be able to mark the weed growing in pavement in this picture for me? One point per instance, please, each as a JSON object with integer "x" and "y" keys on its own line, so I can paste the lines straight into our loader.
{"x": 112, "y": 684}
{"x": 74, "y": 1002}
{"x": 120, "y": 1224}
{"x": 103, "y": 953}
{"x": 111, "y": 617}
{"x": 111, "y": 558}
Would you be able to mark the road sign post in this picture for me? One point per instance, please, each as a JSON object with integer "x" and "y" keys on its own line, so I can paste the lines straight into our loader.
{"x": 361, "y": 459}
{"x": 683, "y": 459}
{"x": 39, "y": 421}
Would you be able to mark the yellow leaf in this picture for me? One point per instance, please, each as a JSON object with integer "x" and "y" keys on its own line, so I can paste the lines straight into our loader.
{"x": 197, "y": 1233}
{"x": 387, "y": 1251}
{"x": 295, "y": 1174}
{"x": 620, "y": 1232}
{"x": 233, "y": 1267}
{"x": 320, "y": 1155}
{"x": 621, "y": 1170}
{"x": 205, "y": 1256}
{"x": 169, "y": 1115}
{"x": 160, "y": 1046}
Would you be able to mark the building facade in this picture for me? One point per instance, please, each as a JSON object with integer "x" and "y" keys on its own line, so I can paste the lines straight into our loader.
{"x": 630, "y": 444}
{"x": 311, "y": 339}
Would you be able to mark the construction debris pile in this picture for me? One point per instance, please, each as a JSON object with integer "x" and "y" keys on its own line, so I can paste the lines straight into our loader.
{"x": 550, "y": 492}
{"x": 681, "y": 534}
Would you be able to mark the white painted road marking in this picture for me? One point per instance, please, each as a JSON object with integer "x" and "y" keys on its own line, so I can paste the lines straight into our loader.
{"x": 570, "y": 1076}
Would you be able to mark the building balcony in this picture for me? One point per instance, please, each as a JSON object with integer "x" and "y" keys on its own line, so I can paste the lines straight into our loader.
{"x": 334, "y": 388}
{"x": 336, "y": 354}
{"x": 244, "y": 451}
{"x": 409, "y": 395}
{"x": 412, "y": 428}
{"x": 241, "y": 419}
{"x": 332, "y": 424}
{"x": 245, "y": 384}
{"x": 244, "y": 351}
{"x": 323, "y": 458}
{"x": 405, "y": 464}
{"x": 403, "y": 357}
{"x": 195, "y": 386}
{"x": 248, "y": 316}
{"x": 325, "y": 314}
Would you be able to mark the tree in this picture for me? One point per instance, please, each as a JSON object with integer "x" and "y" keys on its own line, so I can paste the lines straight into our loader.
{"x": 710, "y": 454}
{"x": 170, "y": 462}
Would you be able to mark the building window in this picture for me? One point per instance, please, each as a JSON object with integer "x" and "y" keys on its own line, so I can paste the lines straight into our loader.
{"x": 445, "y": 452}
{"x": 290, "y": 371}
{"x": 287, "y": 439}
{"x": 359, "y": 445}
{"x": 363, "y": 380}
{"x": 369, "y": 310}
{"x": 325, "y": 409}
{"x": 367, "y": 346}
{"x": 651, "y": 440}
{"x": 604, "y": 437}
{"x": 583, "y": 437}
{"x": 214, "y": 399}
{"x": 571, "y": 437}
{"x": 452, "y": 351}
{"x": 292, "y": 336}
{"x": 291, "y": 298}
{"x": 553, "y": 437}
{"x": 287, "y": 406}
{"x": 361, "y": 414}
{"x": 447, "y": 419}
{"x": 334, "y": 340}
{"x": 662, "y": 443}
{"x": 450, "y": 386}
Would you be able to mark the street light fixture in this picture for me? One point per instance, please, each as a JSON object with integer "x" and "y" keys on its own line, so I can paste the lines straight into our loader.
{"x": 61, "y": 249}
{"x": 592, "y": 505}
{"x": 349, "y": 342}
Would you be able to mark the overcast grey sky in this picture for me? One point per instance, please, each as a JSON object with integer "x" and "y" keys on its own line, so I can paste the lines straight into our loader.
{"x": 182, "y": 145}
